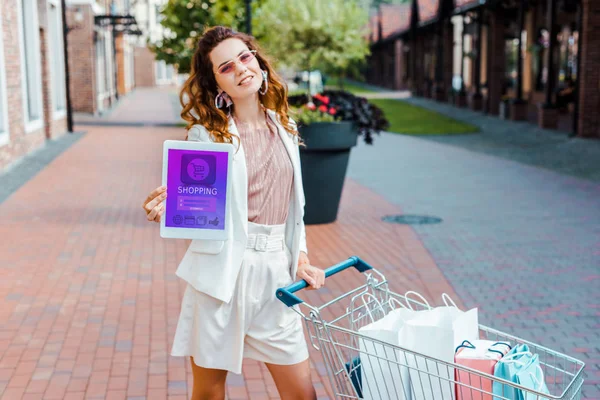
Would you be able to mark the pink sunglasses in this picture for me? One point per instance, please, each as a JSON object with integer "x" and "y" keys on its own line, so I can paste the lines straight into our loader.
{"x": 245, "y": 57}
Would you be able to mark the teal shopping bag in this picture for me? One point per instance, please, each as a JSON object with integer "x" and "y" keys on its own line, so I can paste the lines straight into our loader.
{"x": 508, "y": 371}
{"x": 521, "y": 367}
{"x": 531, "y": 376}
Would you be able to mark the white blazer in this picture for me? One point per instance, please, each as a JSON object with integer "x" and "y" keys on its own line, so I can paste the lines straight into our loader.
{"x": 212, "y": 266}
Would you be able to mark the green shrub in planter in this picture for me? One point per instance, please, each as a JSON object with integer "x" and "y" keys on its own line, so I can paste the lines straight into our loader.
{"x": 330, "y": 125}
{"x": 344, "y": 106}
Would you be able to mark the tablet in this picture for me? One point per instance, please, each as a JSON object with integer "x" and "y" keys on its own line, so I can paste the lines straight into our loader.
{"x": 198, "y": 181}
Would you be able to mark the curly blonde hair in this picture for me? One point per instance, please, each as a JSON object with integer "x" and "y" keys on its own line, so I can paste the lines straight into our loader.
{"x": 198, "y": 94}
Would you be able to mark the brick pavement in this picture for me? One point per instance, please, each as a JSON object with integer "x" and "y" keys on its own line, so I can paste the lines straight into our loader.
{"x": 520, "y": 242}
{"x": 18, "y": 173}
{"x": 86, "y": 312}
{"x": 89, "y": 300}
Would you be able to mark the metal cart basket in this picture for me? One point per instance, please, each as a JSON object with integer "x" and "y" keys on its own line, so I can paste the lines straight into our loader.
{"x": 399, "y": 372}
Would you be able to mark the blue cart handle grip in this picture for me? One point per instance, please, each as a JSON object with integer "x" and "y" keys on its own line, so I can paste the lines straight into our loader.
{"x": 287, "y": 296}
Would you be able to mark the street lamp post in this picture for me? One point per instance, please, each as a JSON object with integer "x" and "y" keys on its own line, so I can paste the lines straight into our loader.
{"x": 65, "y": 29}
{"x": 248, "y": 17}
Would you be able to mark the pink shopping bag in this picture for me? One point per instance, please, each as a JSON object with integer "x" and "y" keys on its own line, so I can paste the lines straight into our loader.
{"x": 480, "y": 355}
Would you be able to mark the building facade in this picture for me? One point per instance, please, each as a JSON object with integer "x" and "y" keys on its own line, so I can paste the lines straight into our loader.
{"x": 32, "y": 78}
{"x": 101, "y": 43}
{"x": 149, "y": 71}
{"x": 535, "y": 60}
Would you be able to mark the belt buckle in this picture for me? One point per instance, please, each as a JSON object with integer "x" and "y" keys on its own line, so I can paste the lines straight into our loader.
{"x": 261, "y": 243}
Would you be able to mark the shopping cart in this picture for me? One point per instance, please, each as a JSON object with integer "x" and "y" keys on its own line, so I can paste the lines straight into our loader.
{"x": 404, "y": 374}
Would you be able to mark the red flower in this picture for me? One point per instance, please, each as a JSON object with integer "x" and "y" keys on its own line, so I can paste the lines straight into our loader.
{"x": 332, "y": 111}
{"x": 323, "y": 108}
{"x": 325, "y": 99}
{"x": 311, "y": 106}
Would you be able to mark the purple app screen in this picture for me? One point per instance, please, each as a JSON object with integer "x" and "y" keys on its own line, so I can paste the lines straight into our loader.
{"x": 197, "y": 184}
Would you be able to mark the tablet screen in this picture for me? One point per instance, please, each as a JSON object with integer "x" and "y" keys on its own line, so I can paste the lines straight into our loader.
{"x": 197, "y": 186}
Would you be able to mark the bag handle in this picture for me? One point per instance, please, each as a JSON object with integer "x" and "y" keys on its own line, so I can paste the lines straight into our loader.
{"x": 498, "y": 351}
{"x": 419, "y": 296}
{"x": 446, "y": 298}
{"x": 469, "y": 345}
{"x": 539, "y": 382}
{"x": 510, "y": 359}
{"x": 395, "y": 300}
{"x": 504, "y": 343}
{"x": 465, "y": 344}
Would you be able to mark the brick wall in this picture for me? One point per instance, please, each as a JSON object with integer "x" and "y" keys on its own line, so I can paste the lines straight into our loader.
{"x": 144, "y": 67}
{"x": 82, "y": 60}
{"x": 589, "y": 97}
{"x": 20, "y": 142}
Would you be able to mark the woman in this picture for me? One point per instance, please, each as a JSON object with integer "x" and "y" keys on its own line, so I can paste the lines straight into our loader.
{"x": 229, "y": 310}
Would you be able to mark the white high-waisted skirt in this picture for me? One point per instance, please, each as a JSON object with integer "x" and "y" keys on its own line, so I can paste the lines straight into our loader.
{"x": 254, "y": 324}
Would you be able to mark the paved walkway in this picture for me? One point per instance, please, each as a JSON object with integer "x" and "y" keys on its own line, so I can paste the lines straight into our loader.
{"x": 89, "y": 300}
{"x": 158, "y": 106}
{"x": 520, "y": 242}
{"x": 521, "y": 141}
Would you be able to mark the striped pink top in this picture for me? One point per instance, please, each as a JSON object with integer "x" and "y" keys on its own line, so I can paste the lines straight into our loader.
{"x": 270, "y": 174}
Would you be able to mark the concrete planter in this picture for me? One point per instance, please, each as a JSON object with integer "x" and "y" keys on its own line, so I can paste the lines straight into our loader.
{"x": 324, "y": 164}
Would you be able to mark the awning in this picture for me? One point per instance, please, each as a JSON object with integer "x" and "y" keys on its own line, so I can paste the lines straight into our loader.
{"x": 121, "y": 23}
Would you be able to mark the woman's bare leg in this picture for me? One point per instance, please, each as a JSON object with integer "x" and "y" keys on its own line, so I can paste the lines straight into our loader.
{"x": 293, "y": 381}
{"x": 209, "y": 384}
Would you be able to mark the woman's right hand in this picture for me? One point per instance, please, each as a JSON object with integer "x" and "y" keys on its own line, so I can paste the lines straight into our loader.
{"x": 154, "y": 204}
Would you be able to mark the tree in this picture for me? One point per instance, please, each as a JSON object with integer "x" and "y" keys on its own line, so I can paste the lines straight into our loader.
{"x": 232, "y": 13}
{"x": 327, "y": 34}
{"x": 184, "y": 22}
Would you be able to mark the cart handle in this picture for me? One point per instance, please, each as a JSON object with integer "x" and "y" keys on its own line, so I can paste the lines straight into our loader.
{"x": 289, "y": 299}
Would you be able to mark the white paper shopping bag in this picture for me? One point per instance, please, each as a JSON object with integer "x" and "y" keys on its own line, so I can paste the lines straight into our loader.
{"x": 383, "y": 366}
{"x": 433, "y": 333}
{"x": 465, "y": 324}
{"x": 429, "y": 333}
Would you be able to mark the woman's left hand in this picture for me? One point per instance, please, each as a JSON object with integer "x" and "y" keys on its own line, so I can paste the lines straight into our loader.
{"x": 313, "y": 275}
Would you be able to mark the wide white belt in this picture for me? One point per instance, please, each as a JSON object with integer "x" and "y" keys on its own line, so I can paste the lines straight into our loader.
{"x": 262, "y": 242}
